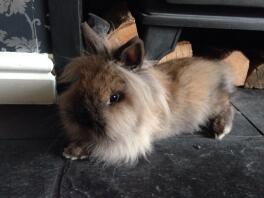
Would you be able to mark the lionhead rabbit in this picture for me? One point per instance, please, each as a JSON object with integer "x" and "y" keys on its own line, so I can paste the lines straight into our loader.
{"x": 115, "y": 107}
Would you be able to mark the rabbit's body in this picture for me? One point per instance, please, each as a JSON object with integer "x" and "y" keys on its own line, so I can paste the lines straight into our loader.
{"x": 115, "y": 114}
{"x": 198, "y": 90}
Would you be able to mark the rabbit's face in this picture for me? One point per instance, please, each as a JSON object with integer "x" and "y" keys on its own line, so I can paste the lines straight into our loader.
{"x": 99, "y": 92}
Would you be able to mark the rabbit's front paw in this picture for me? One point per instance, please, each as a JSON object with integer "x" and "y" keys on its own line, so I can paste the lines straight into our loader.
{"x": 75, "y": 151}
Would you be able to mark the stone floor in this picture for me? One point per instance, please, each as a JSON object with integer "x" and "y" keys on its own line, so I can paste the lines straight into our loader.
{"x": 185, "y": 166}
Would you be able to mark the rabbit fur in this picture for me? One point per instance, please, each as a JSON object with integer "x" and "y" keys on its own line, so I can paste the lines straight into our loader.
{"x": 116, "y": 108}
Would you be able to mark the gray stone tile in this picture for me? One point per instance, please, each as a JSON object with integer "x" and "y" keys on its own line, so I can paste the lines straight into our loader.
{"x": 242, "y": 127}
{"x": 179, "y": 167}
{"x": 29, "y": 169}
{"x": 250, "y": 102}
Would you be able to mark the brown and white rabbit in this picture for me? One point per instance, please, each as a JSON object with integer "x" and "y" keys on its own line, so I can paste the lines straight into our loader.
{"x": 115, "y": 108}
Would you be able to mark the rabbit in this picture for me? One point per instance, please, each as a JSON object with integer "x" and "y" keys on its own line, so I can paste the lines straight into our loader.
{"x": 116, "y": 107}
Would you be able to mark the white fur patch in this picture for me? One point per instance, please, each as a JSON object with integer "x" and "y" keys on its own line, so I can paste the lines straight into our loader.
{"x": 227, "y": 130}
{"x": 71, "y": 157}
{"x": 68, "y": 156}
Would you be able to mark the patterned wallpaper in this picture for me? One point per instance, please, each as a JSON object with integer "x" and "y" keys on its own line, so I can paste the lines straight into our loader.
{"x": 24, "y": 26}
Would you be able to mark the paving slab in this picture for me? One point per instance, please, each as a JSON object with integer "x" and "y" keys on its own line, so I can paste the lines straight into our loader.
{"x": 250, "y": 103}
{"x": 179, "y": 167}
{"x": 29, "y": 169}
{"x": 185, "y": 166}
{"x": 242, "y": 127}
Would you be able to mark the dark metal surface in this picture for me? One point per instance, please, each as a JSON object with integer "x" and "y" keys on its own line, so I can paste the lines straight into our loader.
{"x": 65, "y": 20}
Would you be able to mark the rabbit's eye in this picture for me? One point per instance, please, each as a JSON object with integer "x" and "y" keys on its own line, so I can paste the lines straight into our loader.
{"x": 116, "y": 97}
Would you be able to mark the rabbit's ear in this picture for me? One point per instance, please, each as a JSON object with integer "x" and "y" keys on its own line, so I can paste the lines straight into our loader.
{"x": 131, "y": 53}
{"x": 94, "y": 44}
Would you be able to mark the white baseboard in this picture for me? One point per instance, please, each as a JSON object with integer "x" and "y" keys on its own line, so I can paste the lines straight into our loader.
{"x": 25, "y": 78}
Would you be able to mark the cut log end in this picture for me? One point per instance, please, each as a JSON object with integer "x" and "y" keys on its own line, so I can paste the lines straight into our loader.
{"x": 239, "y": 65}
{"x": 183, "y": 49}
{"x": 122, "y": 34}
{"x": 256, "y": 78}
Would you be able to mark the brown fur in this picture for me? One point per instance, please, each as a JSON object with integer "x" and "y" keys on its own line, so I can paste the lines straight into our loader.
{"x": 196, "y": 80}
{"x": 155, "y": 102}
{"x": 193, "y": 91}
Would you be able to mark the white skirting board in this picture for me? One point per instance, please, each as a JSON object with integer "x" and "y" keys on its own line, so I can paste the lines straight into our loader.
{"x": 26, "y": 78}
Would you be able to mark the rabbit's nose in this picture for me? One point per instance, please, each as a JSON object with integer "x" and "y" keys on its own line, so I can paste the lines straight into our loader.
{"x": 91, "y": 119}
{"x": 83, "y": 115}
{"x": 84, "y": 118}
